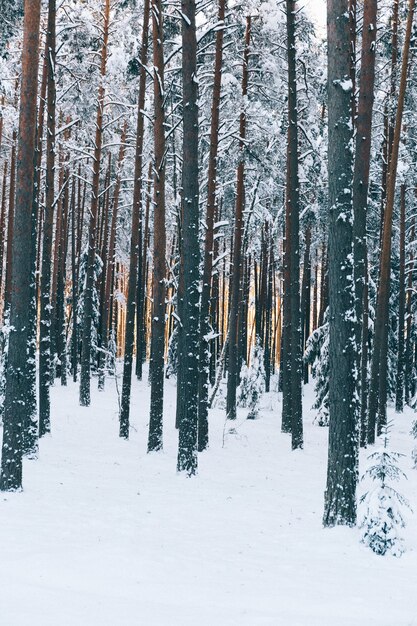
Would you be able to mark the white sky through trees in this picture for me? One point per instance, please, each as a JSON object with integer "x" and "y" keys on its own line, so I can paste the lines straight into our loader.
{"x": 317, "y": 10}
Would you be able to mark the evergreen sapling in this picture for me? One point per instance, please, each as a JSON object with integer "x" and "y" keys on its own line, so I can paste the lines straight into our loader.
{"x": 252, "y": 381}
{"x": 383, "y": 516}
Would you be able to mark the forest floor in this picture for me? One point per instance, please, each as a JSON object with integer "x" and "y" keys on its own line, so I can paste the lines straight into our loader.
{"x": 106, "y": 535}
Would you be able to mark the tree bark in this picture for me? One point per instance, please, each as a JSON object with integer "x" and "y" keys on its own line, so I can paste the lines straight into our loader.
{"x": 15, "y": 405}
{"x": 85, "y": 398}
{"x": 158, "y": 305}
{"x": 378, "y": 387}
{"x": 136, "y": 237}
{"x": 233, "y": 357}
{"x": 203, "y": 382}
{"x": 190, "y": 248}
{"x": 340, "y": 495}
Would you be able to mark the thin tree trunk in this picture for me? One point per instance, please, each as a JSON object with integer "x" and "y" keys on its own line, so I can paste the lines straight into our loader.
{"x": 45, "y": 282}
{"x": 292, "y": 375}
{"x": 136, "y": 237}
{"x": 203, "y": 382}
{"x": 233, "y": 356}
{"x": 158, "y": 305}
{"x": 378, "y": 388}
{"x": 89, "y": 283}
{"x": 399, "y": 392}
{"x": 361, "y": 180}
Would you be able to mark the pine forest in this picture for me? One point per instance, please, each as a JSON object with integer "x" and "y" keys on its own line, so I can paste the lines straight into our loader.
{"x": 208, "y": 312}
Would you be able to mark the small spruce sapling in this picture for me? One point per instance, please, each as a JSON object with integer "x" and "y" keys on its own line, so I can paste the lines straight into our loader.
{"x": 252, "y": 381}
{"x": 383, "y": 506}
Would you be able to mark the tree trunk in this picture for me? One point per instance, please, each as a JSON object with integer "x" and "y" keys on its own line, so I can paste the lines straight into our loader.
{"x": 190, "y": 248}
{"x": 136, "y": 237}
{"x": 17, "y": 376}
{"x": 399, "y": 392}
{"x": 89, "y": 284}
{"x": 203, "y": 382}
{"x": 292, "y": 373}
{"x": 378, "y": 387}
{"x": 361, "y": 177}
{"x": 233, "y": 357}
{"x": 340, "y": 496}
{"x": 158, "y": 305}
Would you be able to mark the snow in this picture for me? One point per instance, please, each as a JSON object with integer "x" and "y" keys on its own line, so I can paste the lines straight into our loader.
{"x": 104, "y": 534}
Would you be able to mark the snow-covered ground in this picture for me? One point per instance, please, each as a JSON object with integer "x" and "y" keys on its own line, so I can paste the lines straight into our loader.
{"x": 105, "y": 535}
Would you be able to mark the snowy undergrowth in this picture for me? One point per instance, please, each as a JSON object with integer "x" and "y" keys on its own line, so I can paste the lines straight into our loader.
{"x": 106, "y": 535}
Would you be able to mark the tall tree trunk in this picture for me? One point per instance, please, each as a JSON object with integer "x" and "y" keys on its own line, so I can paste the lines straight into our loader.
{"x": 17, "y": 377}
{"x": 203, "y": 381}
{"x": 361, "y": 180}
{"x": 292, "y": 374}
{"x": 89, "y": 283}
{"x": 340, "y": 496}
{"x": 305, "y": 298}
{"x": 10, "y": 220}
{"x": 158, "y": 305}
{"x": 378, "y": 387}
{"x": 141, "y": 300}
{"x": 399, "y": 392}
{"x": 190, "y": 248}
{"x": 45, "y": 282}
{"x": 233, "y": 359}
{"x": 408, "y": 341}
{"x": 136, "y": 236}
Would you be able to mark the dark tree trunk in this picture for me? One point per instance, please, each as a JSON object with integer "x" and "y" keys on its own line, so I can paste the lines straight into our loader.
{"x": 159, "y": 273}
{"x": 187, "y": 442}
{"x": 141, "y": 327}
{"x": 408, "y": 341}
{"x": 340, "y": 496}
{"x": 233, "y": 355}
{"x": 378, "y": 387}
{"x": 292, "y": 373}
{"x": 361, "y": 186}
{"x": 10, "y": 219}
{"x": 89, "y": 283}
{"x": 399, "y": 392}
{"x": 45, "y": 282}
{"x": 305, "y": 299}
{"x": 203, "y": 382}
{"x": 17, "y": 377}
{"x": 136, "y": 237}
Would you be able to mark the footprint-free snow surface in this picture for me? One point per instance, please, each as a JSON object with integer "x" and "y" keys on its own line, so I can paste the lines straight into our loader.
{"x": 104, "y": 534}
